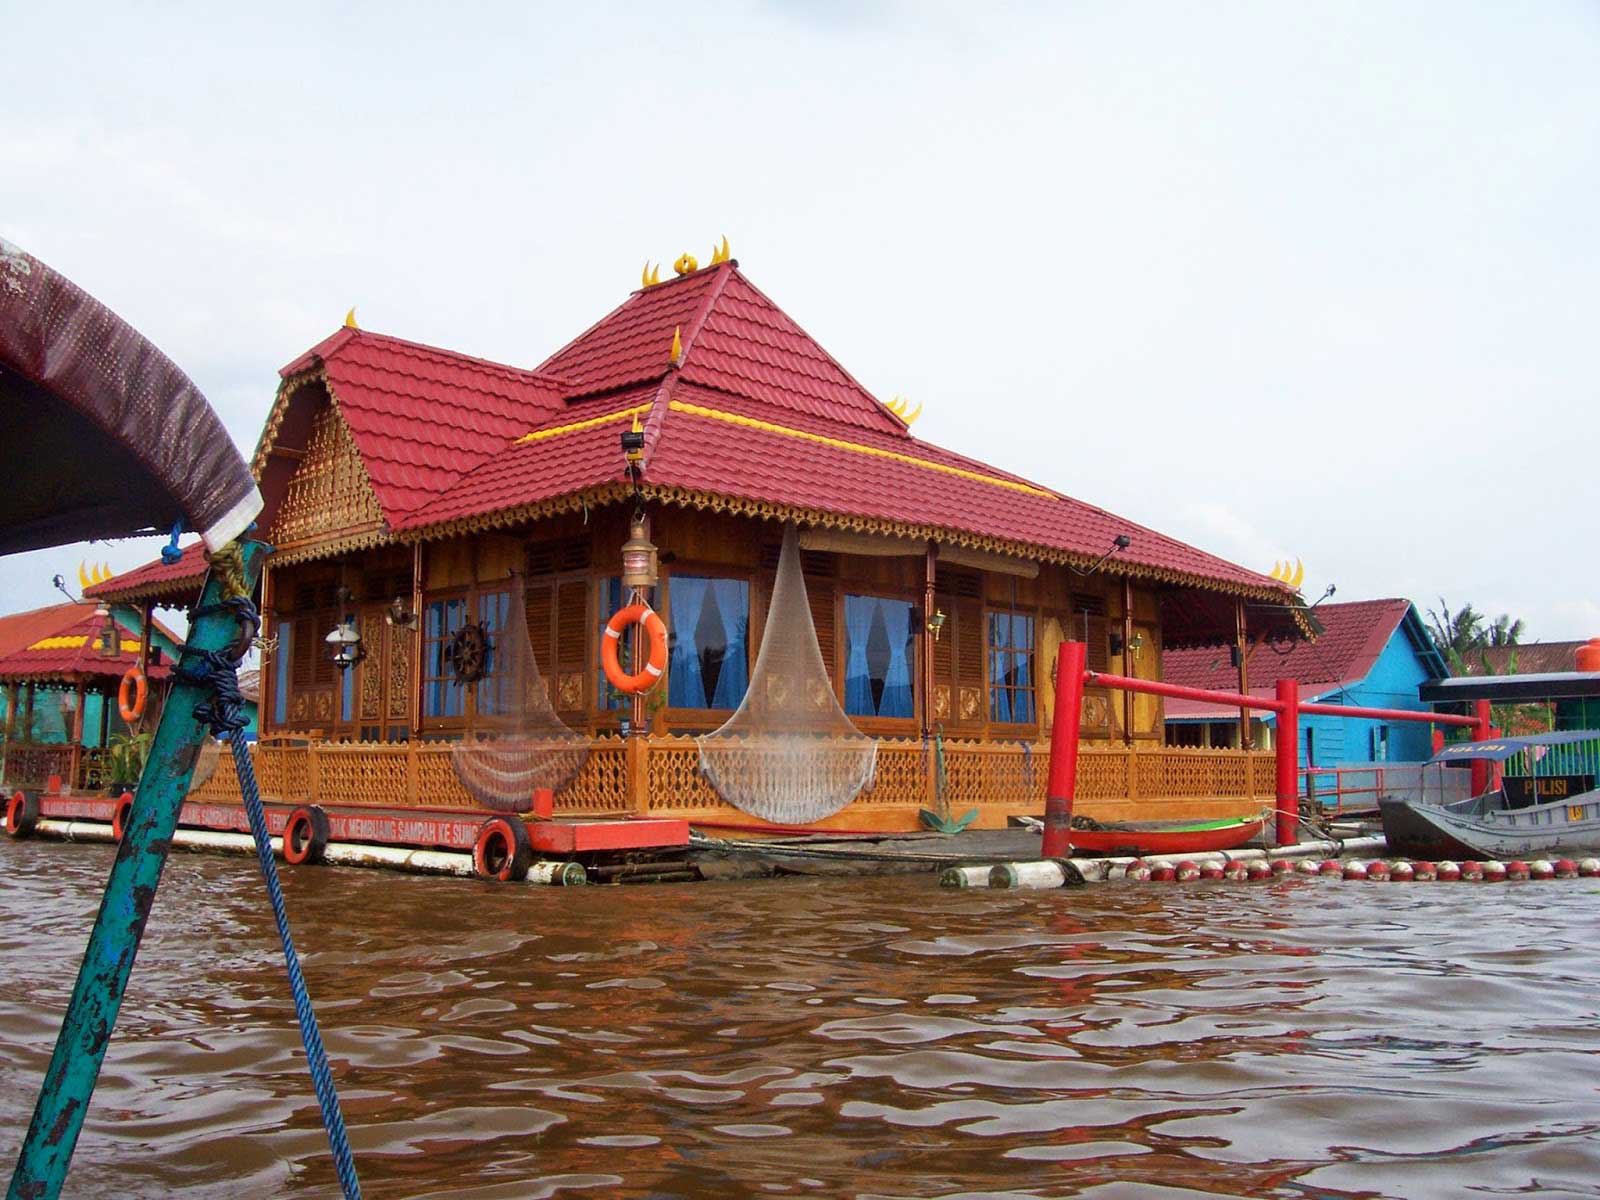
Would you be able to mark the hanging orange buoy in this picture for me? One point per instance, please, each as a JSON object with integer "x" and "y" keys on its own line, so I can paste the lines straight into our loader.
{"x": 650, "y": 622}
{"x": 135, "y": 682}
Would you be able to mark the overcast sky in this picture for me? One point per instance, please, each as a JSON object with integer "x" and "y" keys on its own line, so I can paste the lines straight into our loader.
{"x": 1283, "y": 280}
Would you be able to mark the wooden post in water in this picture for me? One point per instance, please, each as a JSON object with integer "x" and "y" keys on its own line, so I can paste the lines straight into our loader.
{"x": 1064, "y": 751}
{"x": 86, "y": 1030}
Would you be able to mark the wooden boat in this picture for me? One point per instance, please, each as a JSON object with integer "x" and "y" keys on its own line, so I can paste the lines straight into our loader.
{"x": 1154, "y": 837}
{"x": 1545, "y": 806}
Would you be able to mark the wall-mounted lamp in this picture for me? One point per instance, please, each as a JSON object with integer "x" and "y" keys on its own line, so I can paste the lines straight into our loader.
{"x": 633, "y": 446}
{"x": 936, "y": 623}
{"x": 344, "y": 644}
{"x": 398, "y": 615}
{"x": 1121, "y": 542}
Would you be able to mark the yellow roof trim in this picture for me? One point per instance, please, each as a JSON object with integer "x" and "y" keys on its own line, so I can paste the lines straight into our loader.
{"x": 67, "y": 642}
{"x": 623, "y": 414}
{"x": 874, "y": 451}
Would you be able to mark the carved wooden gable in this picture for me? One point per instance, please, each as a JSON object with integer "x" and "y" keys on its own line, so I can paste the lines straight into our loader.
{"x": 328, "y": 498}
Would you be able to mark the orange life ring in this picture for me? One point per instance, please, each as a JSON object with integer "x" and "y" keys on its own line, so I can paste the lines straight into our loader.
{"x": 650, "y": 622}
{"x": 131, "y": 710}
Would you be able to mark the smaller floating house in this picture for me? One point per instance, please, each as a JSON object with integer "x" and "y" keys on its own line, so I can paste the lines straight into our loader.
{"x": 61, "y": 670}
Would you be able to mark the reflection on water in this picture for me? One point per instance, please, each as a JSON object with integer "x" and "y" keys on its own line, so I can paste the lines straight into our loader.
{"x": 869, "y": 1038}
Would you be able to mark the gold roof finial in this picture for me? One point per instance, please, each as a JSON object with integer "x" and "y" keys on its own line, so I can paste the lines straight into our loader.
{"x": 901, "y": 407}
{"x": 721, "y": 254}
{"x": 687, "y": 264}
{"x": 1293, "y": 576}
{"x": 350, "y": 319}
{"x": 651, "y": 275}
{"x": 677, "y": 350}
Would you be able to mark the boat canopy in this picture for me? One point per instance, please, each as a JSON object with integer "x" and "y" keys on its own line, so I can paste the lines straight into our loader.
{"x": 1500, "y": 749}
{"x": 101, "y": 435}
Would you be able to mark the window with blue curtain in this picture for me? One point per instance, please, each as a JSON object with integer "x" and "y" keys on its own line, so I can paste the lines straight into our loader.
{"x": 1011, "y": 695}
{"x": 613, "y": 596}
{"x": 280, "y": 681}
{"x": 442, "y": 696}
{"x": 880, "y": 657}
{"x": 708, "y": 632}
{"x": 494, "y": 689}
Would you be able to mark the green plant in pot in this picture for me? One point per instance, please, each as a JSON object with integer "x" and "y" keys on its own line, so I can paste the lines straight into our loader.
{"x": 125, "y": 757}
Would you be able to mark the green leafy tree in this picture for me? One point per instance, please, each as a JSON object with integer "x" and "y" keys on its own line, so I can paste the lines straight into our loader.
{"x": 1462, "y": 635}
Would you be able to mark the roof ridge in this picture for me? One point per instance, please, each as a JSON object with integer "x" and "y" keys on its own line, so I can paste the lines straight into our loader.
{"x": 904, "y": 425}
{"x": 454, "y": 356}
{"x": 725, "y": 272}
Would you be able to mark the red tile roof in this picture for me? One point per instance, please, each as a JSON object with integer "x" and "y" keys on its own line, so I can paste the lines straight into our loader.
{"x": 421, "y": 417}
{"x": 754, "y": 414}
{"x": 1353, "y": 636}
{"x": 71, "y": 650}
{"x": 18, "y": 631}
{"x": 176, "y": 584}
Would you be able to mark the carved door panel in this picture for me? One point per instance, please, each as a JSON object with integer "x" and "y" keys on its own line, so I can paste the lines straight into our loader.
{"x": 383, "y": 692}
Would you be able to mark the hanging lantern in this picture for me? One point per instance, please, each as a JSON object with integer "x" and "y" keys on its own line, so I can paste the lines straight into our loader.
{"x": 639, "y": 565}
{"x": 344, "y": 644}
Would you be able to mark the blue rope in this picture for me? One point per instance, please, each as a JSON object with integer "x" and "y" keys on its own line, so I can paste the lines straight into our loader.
{"x": 170, "y": 553}
{"x": 224, "y": 716}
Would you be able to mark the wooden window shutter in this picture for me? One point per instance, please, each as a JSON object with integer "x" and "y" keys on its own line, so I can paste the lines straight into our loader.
{"x": 820, "y": 596}
{"x": 971, "y": 643}
{"x": 540, "y": 610}
{"x": 572, "y": 626}
{"x": 304, "y": 645}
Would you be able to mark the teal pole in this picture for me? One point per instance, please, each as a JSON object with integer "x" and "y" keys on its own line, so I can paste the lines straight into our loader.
{"x": 124, "y": 908}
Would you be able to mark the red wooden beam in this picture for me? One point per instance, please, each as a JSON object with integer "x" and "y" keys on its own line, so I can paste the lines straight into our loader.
{"x": 1156, "y": 687}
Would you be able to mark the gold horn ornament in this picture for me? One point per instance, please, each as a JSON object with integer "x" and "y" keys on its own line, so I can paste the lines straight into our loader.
{"x": 83, "y": 576}
{"x": 350, "y": 319}
{"x": 650, "y": 276}
{"x": 721, "y": 254}
{"x": 677, "y": 344}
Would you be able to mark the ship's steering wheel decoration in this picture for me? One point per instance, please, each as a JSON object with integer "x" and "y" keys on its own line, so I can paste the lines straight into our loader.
{"x": 467, "y": 652}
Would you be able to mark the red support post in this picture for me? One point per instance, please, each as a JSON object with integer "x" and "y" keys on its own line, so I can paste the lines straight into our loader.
{"x": 1482, "y": 731}
{"x": 1064, "y": 751}
{"x": 1288, "y": 761}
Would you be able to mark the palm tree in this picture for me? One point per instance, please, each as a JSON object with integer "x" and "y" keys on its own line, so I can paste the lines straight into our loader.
{"x": 1457, "y": 633}
{"x": 1504, "y": 631}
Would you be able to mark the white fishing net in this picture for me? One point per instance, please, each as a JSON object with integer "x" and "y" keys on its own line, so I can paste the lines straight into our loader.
{"x": 518, "y": 743}
{"x": 789, "y": 754}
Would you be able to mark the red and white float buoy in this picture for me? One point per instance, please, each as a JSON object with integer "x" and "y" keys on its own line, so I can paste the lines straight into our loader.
{"x": 1472, "y": 872}
{"x": 1378, "y": 871}
{"x": 1424, "y": 872}
{"x": 1162, "y": 871}
{"x": 1355, "y": 870}
{"x": 1588, "y": 868}
{"x": 1210, "y": 870}
{"x": 1187, "y": 872}
{"x": 1282, "y": 866}
{"x": 1401, "y": 872}
{"x": 1257, "y": 869}
{"x": 1137, "y": 870}
{"x": 1516, "y": 869}
{"x": 1448, "y": 872}
{"x": 1493, "y": 871}
{"x": 1541, "y": 868}
{"x": 1310, "y": 866}
{"x": 1566, "y": 868}
{"x": 1332, "y": 867}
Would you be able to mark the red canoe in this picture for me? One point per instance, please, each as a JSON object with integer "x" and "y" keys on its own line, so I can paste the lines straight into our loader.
{"x": 1166, "y": 838}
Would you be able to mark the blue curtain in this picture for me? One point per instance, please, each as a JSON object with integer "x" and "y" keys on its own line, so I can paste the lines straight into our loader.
{"x": 858, "y": 612}
{"x": 611, "y": 597}
{"x": 686, "y": 687}
{"x": 733, "y": 600}
{"x": 280, "y": 691}
{"x": 896, "y": 693}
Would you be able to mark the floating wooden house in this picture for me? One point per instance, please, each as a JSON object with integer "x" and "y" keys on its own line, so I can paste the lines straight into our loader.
{"x": 406, "y": 484}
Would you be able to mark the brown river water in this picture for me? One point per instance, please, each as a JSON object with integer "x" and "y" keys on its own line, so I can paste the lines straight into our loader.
{"x": 863, "y": 1038}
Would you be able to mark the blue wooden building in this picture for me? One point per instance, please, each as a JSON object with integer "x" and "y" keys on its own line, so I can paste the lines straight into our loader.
{"x": 1372, "y": 654}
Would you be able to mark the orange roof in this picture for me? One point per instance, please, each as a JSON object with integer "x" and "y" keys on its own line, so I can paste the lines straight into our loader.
{"x": 67, "y": 647}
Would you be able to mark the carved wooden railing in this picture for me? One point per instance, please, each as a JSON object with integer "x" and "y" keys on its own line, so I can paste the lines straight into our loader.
{"x": 661, "y": 776}
{"x": 30, "y": 764}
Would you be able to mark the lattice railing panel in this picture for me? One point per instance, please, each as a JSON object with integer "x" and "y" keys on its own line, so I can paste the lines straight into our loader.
{"x": 31, "y": 765}
{"x": 1102, "y": 774}
{"x": 900, "y": 777}
{"x": 223, "y": 786}
{"x": 602, "y": 784}
{"x": 436, "y": 782}
{"x": 675, "y": 779}
{"x": 1010, "y": 773}
{"x": 363, "y": 774}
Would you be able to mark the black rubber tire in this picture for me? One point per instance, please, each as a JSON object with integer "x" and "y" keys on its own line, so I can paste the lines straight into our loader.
{"x": 305, "y": 836}
{"x": 120, "y": 815}
{"x": 22, "y": 814}
{"x": 502, "y": 849}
